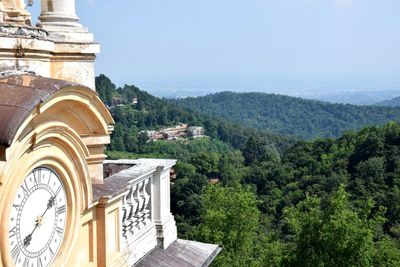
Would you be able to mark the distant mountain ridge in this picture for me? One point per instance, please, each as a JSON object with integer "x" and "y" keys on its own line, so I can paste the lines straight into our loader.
{"x": 287, "y": 115}
{"x": 394, "y": 102}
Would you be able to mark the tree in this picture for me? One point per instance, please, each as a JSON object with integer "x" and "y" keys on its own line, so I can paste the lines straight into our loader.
{"x": 105, "y": 88}
{"x": 231, "y": 219}
{"x": 336, "y": 235}
{"x": 211, "y": 127}
{"x": 369, "y": 182}
{"x": 258, "y": 149}
{"x": 142, "y": 139}
{"x": 206, "y": 163}
{"x": 184, "y": 169}
{"x": 231, "y": 168}
{"x": 131, "y": 139}
{"x": 372, "y": 146}
{"x": 117, "y": 138}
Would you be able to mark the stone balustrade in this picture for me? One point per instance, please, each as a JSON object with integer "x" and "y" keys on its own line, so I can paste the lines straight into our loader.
{"x": 136, "y": 209}
{"x": 143, "y": 193}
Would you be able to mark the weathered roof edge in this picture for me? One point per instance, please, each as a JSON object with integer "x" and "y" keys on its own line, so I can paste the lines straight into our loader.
{"x": 181, "y": 253}
{"x": 19, "y": 96}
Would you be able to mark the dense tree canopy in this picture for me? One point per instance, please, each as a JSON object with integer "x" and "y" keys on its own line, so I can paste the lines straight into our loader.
{"x": 336, "y": 235}
{"x": 230, "y": 217}
{"x": 327, "y": 202}
{"x": 154, "y": 113}
{"x": 300, "y": 118}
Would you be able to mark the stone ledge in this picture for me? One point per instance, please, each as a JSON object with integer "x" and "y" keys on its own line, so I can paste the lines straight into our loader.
{"x": 118, "y": 183}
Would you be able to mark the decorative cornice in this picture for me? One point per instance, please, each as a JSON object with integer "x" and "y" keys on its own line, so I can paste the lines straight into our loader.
{"x": 16, "y": 72}
{"x": 12, "y": 30}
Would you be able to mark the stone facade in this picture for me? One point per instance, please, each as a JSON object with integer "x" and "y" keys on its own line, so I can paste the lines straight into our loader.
{"x": 59, "y": 47}
{"x": 14, "y": 11}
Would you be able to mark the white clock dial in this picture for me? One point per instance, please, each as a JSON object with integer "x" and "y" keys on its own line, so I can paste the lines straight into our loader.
{"x": 37, "y": 220}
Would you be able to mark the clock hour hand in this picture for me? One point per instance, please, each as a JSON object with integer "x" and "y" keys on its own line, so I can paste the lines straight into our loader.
{"x": 28, "y": 239}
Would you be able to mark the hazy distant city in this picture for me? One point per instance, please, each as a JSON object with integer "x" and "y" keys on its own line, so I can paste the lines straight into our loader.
{"x": 360, "y": 90}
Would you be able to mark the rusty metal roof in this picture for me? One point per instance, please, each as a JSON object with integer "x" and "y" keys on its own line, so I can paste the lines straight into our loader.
{"x": 19, "y": 95}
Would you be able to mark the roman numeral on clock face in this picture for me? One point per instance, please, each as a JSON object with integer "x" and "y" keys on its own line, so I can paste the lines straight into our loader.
{"x": 61, "y": 210}
{"x": 37, "y": 176}
{"x": 24, "y": 187}
{"x": 51, "y": 252}
{"x": 15, "y": 253}
{"x": 59, "y": 230}
{"x": 26, "y": 263}
{"x": 12, "y": 232}
{"x": 39, "y": 262}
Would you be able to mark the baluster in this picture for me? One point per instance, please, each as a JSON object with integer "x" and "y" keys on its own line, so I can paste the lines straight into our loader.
{"x": 133, "y": 208}
{"x": 146, "y": 208}
{"x": 125, "y": 214}
{"x": 140, "y": 201}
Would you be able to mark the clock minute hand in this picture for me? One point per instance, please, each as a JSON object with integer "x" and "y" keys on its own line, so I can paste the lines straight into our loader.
{"x": 50, "y": 203}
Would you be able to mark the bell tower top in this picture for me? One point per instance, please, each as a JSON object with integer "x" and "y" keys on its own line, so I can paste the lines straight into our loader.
{"x": 58, "y": 17}
{"x": 59, "y": 47}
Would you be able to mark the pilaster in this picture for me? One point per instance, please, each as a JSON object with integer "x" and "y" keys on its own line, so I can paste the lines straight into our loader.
{"x": 96, "y": 146}
{"x": 101, "y": 216}
{"x": 165, "y": 222}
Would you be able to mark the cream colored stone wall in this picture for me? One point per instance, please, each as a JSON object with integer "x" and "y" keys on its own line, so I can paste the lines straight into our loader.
{"x": 56, "y": 135}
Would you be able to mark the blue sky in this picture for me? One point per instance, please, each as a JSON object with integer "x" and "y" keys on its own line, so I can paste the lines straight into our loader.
{"x": 178, "y": 38}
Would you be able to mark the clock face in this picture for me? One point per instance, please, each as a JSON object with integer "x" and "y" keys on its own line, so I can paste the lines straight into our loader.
{"x": 37, "y": 219}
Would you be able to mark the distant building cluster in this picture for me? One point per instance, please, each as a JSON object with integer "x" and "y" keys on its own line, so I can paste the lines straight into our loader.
{"x": 118, "y": 101}
{"x": 178, "y": 132}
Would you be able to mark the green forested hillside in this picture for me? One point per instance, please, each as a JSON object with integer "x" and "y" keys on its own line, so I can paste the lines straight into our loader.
{"x": 291, "y": 116}
{"x": 327, "y": 202}
{"x": 394, "y": 102}
{"x": 151, "y": 113}
{"x": 330, "y": 202}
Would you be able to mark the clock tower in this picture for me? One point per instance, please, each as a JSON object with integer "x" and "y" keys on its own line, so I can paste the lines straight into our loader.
{"x": 52, "y": 137}
{"x": 61, "y": 202}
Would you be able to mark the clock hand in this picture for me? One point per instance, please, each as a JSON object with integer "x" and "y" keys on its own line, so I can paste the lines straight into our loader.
{"x": 50, "y": 204}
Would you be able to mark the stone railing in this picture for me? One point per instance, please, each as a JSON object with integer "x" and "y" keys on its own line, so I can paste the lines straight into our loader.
{"x": 136, "y": 208}
{"x": 142, "y": 193}
{"x": 138, "y": 226}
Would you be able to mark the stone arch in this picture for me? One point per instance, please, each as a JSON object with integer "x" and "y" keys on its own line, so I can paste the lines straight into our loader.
{"x": 73, "y": 117}
{"x": 66, "y": 131}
